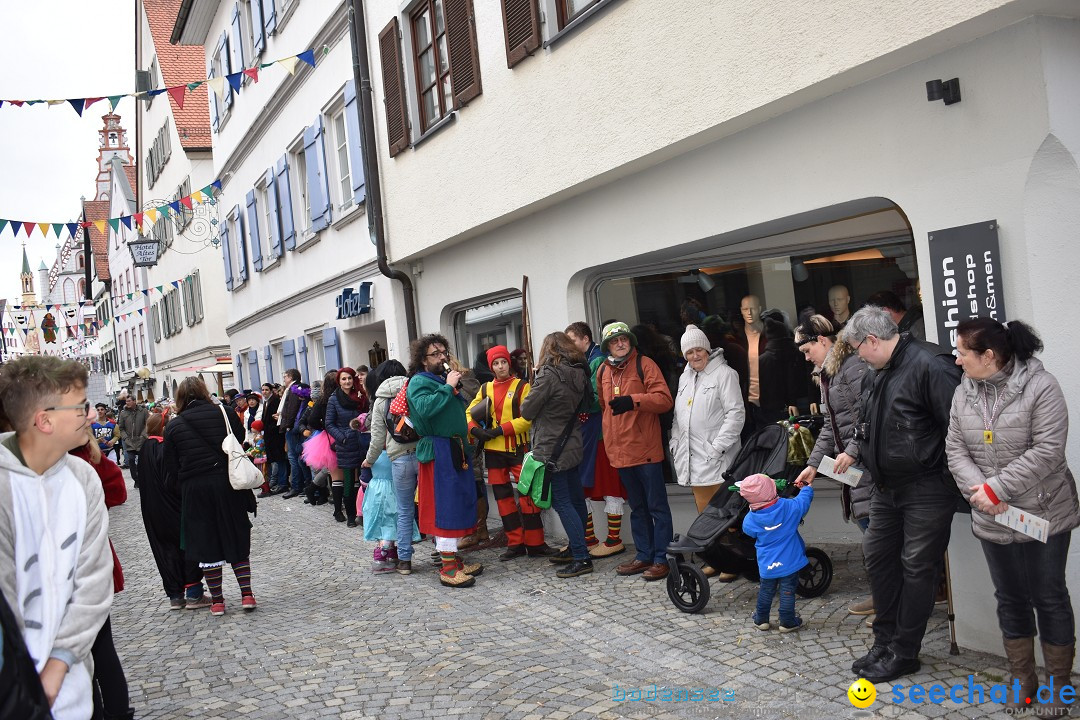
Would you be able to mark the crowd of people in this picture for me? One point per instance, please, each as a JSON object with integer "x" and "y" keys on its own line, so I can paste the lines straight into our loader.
{"x": 409, "y": 453}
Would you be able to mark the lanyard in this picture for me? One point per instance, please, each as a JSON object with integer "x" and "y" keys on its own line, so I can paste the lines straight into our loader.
{"x": 988, "y": 420}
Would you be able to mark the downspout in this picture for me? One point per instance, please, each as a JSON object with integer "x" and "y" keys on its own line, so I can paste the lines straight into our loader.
{"x": 374, "y": 210}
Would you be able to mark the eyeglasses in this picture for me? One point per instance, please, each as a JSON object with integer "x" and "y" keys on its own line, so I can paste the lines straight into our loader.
{"x": 437, "y": 353}
{"x": 85, "y": 407}
{"x": 862, "y": 341}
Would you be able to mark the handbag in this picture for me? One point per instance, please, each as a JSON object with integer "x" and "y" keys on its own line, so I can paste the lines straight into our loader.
{"x": 534, "y": 482}
{"x": 243, "y": 475}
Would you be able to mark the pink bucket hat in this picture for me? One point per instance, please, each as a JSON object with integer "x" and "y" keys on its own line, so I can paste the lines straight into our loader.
{"x": 759, "y": 490}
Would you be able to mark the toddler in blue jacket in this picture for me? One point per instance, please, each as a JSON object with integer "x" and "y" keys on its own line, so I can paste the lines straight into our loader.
{"x": 773, "y": 522}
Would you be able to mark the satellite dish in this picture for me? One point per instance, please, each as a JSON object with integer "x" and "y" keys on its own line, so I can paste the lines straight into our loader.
{"x": 143, "y": 373}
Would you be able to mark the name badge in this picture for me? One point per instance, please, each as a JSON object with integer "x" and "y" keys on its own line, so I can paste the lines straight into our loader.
{"x": 616, "y": 389}
{"x": 988, "y": 437}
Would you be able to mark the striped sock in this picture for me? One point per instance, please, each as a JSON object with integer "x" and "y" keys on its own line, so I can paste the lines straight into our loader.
{"x": 242, "y": 570}
{"x": 614, "y": 529}
{"x": 590, "y": 534}
{"x": 213, "y": 583}
{"x": 449, "y": 563}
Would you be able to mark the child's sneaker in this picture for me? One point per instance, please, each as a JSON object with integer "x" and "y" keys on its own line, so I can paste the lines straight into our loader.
{"x": 793, "y": 627}
{"x": 761, "y": 624}
{"x": 390, "y": 554}
{"x": 217, "y": 608}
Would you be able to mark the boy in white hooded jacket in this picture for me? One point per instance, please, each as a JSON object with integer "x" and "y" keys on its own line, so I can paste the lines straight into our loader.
{"x": 55, "y": 563}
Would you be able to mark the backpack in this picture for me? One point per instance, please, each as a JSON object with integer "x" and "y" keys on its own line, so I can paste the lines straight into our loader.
{"x": 398, "y": 425}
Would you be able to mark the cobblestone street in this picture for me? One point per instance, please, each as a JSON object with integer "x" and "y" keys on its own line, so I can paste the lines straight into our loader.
{"x": 330, "y": 639}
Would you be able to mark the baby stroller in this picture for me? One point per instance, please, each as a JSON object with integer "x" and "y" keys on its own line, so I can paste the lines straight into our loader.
{"x": 716, "y": 534}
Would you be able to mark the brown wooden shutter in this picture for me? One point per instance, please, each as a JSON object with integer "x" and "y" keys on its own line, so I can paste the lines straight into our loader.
{"x": 521, "y": 20}
{"x": 464, "y": 56}
{"x": 397, "y": 112}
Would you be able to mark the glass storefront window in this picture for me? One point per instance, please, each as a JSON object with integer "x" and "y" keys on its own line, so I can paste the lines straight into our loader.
{"x": 483, "y": 326}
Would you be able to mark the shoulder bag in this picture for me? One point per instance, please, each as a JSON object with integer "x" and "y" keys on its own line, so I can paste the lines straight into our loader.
{"x": 243, "y": 475}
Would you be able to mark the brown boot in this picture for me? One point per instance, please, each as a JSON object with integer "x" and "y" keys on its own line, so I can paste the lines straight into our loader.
{"x": 1020, "y": 652}
{"x": 1059, "y": 662}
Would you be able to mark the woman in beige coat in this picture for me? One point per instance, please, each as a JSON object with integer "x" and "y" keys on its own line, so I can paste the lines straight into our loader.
{"x": 1006, "y": 448}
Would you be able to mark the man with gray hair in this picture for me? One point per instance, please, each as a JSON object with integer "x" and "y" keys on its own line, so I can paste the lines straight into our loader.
{"x": 907, "y": 396}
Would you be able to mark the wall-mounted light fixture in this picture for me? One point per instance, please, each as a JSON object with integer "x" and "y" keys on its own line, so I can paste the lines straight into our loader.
{"x": 947, "y": 90}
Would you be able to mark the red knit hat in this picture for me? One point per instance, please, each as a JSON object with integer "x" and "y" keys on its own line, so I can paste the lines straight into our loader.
{"x": 499, "y": 351}
{"x": 257, "y": 425}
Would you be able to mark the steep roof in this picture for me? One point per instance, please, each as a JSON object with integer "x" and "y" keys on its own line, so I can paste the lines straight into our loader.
{"x": 132, "y": 175}
{"x": 181, "y": 64}
{"x": 25, "y": 262}
{"x": 99, "y": 241}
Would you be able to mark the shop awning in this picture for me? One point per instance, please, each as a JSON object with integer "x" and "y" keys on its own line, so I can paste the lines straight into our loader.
{"x": 219, "y": 368}
{"x": 184, "y": 369}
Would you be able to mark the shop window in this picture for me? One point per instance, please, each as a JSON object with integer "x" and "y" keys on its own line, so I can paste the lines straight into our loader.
{"x": 479, "y": 327}
{"x": 318, "y": 354}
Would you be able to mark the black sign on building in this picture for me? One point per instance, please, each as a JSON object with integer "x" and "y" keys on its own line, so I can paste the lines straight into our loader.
{"x": 965, "y": 265}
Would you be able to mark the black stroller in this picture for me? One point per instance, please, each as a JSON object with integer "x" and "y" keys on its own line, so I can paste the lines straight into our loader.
{"x": 716, "y": 535}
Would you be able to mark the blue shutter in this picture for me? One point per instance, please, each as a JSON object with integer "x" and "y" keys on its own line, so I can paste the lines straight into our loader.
{"x": 318, "y": 189}
{"x": 211, "y": 95}
{"x": 253, "y": 370}
{"x": 241, "y": 242}
{"x": 356, "y": 157}
{"x": 253, "y": 231}
{"x": 288, "y": 355}
{"x": 238, "y": 364}
{"x": 273, "y": 240}
{"x": 301, "y": 356}
{"x": 331, "y": 348}
{"x": 269, "y": 17}
{"x": 226, "y": 67}
{"x": 257, "y": 26}
{"x": 268, "y": 355}
{"x": 284, "y": 203}
{"x": 237, "y": 46}
{"x": 227, "y": 252}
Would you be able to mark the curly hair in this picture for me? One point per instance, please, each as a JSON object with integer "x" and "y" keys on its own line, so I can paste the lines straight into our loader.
{"x": 419, "y": 348}
{"x": 557, "y": 349}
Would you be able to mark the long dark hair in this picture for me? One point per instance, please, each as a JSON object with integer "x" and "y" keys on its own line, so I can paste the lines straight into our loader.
{"x": 557, "y": 349}
{"x": 1015, "y": 339}
{"x": 191, "y": 388}
{"x": 382, "y": 372}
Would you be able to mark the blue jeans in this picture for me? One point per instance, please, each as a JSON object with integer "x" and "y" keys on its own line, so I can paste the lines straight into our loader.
{"x": 405, "y": 469}
{"x": 904, "y": 550}
{"x": 1029, "y": 582}
{"x": 301, "y": 474}
{"x": 568, "y": 500}
{"x": 280, "y": 475}
{"x": 650, "y": 515}
{"x": 766, "y": 592}
{"x": 131, "y": 457}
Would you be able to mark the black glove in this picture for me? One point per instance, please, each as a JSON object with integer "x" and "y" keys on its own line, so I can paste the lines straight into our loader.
{"x": 365, "y": 476}
{"x": 621, "y": 404}
{"x": 482, "y": 435}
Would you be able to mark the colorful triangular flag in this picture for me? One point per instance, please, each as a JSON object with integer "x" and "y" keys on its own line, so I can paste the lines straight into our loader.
{"x": 15, "y": 227}
{"x": 100, "y": 225}
{"x": 126, "y": 219}
{"x": 3, "y": 224}
{"x": 44, "y": 227}
{"x": 114, "y": 223}
{"x": 308, "y": 56}
{"x": 29, "y": 228}
{"x": 192, "y": 85}
{"x": 73, "y": 228}
{"x": 252, "y": 73}
{"x": 217, "y": 84}
{"x": 235, "y": 80}
{"x": 177, "y": 94}
{"x": 57, "y": 228}
{"x": 217, "y": 184}
{"x": 289, "y": 64}
{"x": 114, "y": 100}
{"x": 175, "y": 206}
{"x": 197, "y": 196}
{"x": 176, "y": 284}
{"x": 186, "y": 202}
{"x": 77, "y": 103}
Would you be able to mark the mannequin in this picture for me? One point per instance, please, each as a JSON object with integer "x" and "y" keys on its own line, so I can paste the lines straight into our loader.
{"x": 840, "y": 304}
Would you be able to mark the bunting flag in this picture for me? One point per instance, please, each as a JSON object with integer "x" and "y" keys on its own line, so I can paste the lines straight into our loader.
{"x": 178, "y": 92}
{"x": 152, "y": 215}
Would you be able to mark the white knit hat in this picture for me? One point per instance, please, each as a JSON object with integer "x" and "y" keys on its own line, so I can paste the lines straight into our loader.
{"x": 694, "y": 338}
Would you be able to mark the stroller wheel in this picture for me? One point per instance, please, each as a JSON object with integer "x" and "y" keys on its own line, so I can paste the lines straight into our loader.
{"x": 815, "y": 578}
{"x": 689, "y": 588}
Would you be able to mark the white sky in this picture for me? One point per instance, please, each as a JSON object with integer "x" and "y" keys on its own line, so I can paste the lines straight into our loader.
{"x": 56, "y": 49}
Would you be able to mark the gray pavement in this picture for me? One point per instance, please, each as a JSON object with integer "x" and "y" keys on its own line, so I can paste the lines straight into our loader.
{"x": 330, "y": 639}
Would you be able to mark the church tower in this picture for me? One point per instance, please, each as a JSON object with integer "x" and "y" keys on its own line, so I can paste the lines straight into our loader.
{"x": 29, "y": 297}
{"x": 112, "y": 143}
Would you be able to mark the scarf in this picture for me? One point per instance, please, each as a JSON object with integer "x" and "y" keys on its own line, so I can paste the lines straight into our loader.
{"x": 348, "y": 401}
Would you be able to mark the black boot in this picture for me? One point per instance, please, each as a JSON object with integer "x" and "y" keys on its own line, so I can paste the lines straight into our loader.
{"x": 338, "y": 492}
{"x": 309, "y": 493}
{"x": 350, "y": 507}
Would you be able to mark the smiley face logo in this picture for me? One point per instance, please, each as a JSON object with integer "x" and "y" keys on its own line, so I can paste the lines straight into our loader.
{"x": 862, "y": 693}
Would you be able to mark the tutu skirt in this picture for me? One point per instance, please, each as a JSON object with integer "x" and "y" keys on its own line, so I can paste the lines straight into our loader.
{"x": 318, "y": 454}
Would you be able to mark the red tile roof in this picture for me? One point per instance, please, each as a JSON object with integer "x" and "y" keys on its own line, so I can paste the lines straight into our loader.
{"x": 132, "y": 177}
{"x": 181, "y": 64}
{"x": 99, "y": 241}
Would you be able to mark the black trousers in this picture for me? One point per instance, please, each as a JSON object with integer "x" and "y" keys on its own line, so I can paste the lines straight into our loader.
{"x": 110, "y": 686}
{"x": 904, "y": 550}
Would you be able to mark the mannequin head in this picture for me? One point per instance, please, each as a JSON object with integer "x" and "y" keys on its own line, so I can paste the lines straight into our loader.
{"x": 840, "y": 302}
{"x": 750, "y": 310}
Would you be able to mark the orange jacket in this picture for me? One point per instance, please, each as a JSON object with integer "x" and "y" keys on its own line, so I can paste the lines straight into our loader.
{"x": 633, "y": 438}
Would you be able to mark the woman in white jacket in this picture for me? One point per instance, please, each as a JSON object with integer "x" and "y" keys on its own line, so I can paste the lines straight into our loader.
{"x": 709, "y": 415}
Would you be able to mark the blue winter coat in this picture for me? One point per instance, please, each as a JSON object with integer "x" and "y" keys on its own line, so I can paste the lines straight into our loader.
{"x": 780, "y": 549}
{"x": 350, "y": 445}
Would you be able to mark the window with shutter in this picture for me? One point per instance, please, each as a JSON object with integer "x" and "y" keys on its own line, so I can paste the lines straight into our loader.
{"x": 521, "y": 21}
{"x": 258, "y": 31}
{"x": 225, "y": 251}
{"x": 356, "y": 160}
{"x": 254, "y": 237}
{"x": 397, "y": 112}
{"x": 464, "y": 53}
{"x": 318, "y": 186}
{"x": 431, "y": 62}
{"x": 284, "y": 205}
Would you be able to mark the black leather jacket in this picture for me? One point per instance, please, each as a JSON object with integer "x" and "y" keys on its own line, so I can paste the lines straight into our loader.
{"x": 905, "y": 414}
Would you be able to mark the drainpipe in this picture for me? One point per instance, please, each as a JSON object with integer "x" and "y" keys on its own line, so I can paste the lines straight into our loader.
{"x": 374, "y": 210}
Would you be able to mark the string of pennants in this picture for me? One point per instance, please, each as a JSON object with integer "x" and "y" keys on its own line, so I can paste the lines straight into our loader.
{"x": 141, "y": 220}
{"x": 177, "y": 92}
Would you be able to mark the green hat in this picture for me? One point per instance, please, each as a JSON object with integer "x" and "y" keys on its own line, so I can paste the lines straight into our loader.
{"x": 614, "y": 330}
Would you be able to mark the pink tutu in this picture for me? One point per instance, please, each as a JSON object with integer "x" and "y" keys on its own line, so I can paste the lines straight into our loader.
{"x": 317, "y": 452}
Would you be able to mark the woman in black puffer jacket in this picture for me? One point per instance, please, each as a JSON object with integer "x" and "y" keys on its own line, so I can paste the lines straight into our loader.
{"x": 213, "y": 517}
{"x": 342, "y": 407}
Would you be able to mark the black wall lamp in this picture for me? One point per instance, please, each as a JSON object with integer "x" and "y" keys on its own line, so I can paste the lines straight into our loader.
{"x": 947, "y": 90}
